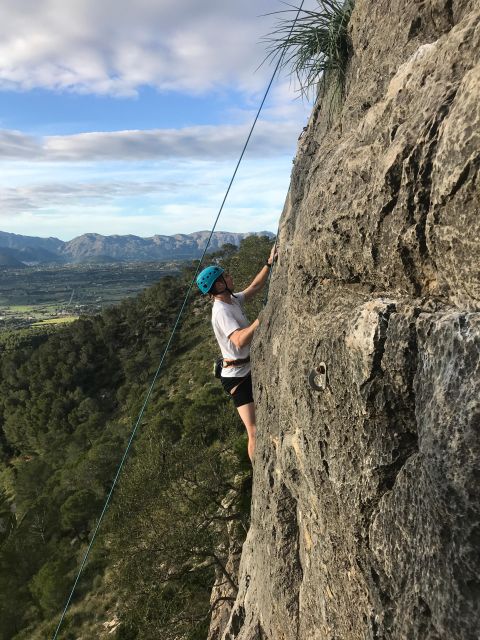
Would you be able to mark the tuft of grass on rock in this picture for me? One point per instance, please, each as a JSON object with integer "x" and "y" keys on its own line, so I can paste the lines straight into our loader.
{"x": 315, "y": 45}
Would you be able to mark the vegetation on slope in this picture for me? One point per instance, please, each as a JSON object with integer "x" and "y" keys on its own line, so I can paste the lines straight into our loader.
{"x": 67, "y": 404}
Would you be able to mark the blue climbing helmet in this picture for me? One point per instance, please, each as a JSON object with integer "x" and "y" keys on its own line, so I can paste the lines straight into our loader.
{"x": 207, "y": 277}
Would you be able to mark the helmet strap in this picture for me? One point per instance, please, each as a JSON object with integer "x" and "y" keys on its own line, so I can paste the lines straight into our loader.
{"x": 227, "y": 288}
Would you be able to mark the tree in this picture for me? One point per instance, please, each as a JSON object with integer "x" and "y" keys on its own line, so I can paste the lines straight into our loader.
{"x": 7, "y": 518}
{"x": 50, "y": 585}
{"x": 77, "y": 511}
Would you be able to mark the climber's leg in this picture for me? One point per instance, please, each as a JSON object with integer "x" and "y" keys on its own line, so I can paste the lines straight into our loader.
{"x": 247, "y": 414}
{"x": 242, "y": 395}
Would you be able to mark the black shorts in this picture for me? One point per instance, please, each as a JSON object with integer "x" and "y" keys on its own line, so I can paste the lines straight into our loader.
{"x": 244, "y": 392}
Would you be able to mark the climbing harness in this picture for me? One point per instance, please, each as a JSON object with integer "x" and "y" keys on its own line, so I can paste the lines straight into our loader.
{"x": 235, "y": 363}
{"x": 221, "y": 364}
{"x": 167, "y": 347}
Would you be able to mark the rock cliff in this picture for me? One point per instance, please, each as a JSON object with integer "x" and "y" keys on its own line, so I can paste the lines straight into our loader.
{"x": 366, "y": 500}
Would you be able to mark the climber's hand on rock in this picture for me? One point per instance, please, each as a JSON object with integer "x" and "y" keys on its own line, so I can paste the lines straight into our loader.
{"x": 273, "y": 254}
{"x": 262, "y": 319}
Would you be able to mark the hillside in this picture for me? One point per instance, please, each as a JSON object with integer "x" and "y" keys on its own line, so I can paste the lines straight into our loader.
{"x": 8, "y": 260}
{"x": 68, "y": 401}
{"x": 16, "y": 241}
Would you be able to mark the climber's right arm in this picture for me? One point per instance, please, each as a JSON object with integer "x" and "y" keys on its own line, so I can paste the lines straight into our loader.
{"x": 242, "y": 337}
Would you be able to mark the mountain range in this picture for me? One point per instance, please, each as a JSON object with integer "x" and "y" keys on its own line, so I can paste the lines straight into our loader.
{"x": 17, "y": 250}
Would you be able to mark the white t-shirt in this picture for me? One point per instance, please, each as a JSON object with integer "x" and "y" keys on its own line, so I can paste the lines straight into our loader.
{"x": 227, "y": 318}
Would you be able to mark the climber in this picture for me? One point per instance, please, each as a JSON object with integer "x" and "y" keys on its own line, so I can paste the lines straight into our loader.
{"x": 234, "y": 334}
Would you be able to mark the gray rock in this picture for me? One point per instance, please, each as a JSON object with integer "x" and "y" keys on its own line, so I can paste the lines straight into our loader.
{"x": 366, "y": 499}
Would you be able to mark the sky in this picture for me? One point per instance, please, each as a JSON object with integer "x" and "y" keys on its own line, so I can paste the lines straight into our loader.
{"x": 121, "y": 117}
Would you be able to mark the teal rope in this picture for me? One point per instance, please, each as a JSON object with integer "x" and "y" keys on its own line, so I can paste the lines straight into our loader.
{"x": 180, "y": 313}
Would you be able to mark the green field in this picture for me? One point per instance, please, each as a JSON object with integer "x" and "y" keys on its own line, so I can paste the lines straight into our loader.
{"x": 36, "y": 296}
{"x": 61, "y": 320}
{"x": 20, "y": 308}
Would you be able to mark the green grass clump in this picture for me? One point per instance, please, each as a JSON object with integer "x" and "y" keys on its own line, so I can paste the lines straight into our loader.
{"x": 61, "y": 320}
{"x": 21, "y": 308}
{"x": 315, "y": 45}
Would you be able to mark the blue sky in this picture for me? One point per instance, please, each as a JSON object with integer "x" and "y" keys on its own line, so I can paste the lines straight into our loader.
{"x": 120, "y": 117}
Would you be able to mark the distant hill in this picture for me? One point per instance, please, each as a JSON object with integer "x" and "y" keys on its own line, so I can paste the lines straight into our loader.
{"x": 15, "y": 241}
{"x": 97, "y": 248}
{"x": 7, "y": 260}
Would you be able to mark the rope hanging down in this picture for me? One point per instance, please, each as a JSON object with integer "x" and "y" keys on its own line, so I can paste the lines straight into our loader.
{"x": 175, "y": 326}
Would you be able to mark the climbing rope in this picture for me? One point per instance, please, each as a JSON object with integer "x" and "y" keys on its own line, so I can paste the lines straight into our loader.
{"x": 175, "y": 326}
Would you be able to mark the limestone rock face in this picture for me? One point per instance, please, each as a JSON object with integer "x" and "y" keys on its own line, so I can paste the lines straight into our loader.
{"x": 366, "y": 499}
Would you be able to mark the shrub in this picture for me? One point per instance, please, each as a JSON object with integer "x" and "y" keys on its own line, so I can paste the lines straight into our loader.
{"x": 315, "y": 45}
{"x": 78, "y": 510}
{"x": 50, "y": 585}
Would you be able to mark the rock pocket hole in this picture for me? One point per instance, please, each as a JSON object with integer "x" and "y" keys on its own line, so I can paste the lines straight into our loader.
{"x": 317, "y": 378}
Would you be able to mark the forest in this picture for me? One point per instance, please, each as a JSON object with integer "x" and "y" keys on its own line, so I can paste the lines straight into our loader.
{"x": 68, "y": 401}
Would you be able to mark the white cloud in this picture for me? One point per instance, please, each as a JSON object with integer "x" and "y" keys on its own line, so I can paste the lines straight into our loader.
{"x": 198, "y": 142}
{"x": 183, "y": 198}
{"x": 33, "y": 197}
{"x": 116, "y": 46}
{"x": 17, "y": 145}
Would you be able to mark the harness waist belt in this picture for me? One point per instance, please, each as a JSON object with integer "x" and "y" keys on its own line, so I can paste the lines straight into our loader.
{"x": 235, "y": 363}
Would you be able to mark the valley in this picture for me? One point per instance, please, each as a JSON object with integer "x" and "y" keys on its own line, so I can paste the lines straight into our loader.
{"x": 33, "y": 297}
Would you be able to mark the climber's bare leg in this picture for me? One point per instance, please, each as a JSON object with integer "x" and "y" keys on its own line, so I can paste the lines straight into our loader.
{"x": 247, "y": 414}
